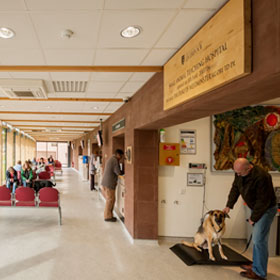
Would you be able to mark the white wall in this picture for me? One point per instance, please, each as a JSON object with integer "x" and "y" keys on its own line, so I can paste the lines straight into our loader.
{"x": 183, "y": 219}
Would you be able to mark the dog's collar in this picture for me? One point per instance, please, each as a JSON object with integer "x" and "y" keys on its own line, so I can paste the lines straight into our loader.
{"x": 220, "y": 229}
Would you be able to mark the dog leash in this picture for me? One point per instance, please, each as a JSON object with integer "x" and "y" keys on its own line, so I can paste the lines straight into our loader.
{"x": 247, "y": 245}
{"x": 249, "y": 241}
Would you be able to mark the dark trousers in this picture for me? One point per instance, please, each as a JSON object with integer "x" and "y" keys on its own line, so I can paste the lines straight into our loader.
{"x": 92, "y": 182}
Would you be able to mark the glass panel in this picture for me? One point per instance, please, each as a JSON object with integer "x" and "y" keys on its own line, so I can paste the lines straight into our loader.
{"x": 63, "y": 154}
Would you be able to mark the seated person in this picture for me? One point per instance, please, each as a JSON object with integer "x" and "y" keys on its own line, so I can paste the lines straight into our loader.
{"x": 18, "y": 166}
{"x": 34, "y": 162}
{"x": 51, "y": 160}
{"x": 41, "y": 166}
{"x": 26, "y": 175}
{"x": 11, "y": 177}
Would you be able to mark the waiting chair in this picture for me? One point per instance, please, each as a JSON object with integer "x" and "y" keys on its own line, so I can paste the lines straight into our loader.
{"x": 58, "y": 166}
{"x": 5, "y": 196}
{"x": 49, "y": 197}
{"x": 44, "y": 175}
{"x": 25, "y": 196}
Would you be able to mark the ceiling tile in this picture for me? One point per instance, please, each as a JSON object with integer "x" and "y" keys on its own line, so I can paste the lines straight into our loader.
{"x": 104, "y": 86}
{"x": 69, "y": 57}
{"x": 30, "y": 75}
{"x": 50, "y": 25}
{"x": 12, "y": 5}
{"x": 176, "y": 35}
{"x": 5, "y": 75}
{"x": 124, "y": 94}
{"x": 95, "y": 106}
{"x": 143, "y": 4}
{"x": 120, "y": 56}
{"x": 205, "y": 4}
{"x": 132, "y": 86}
{"x": 100, "y": 95}
{"x": 23, "y": 57}
{"x": 141, "y": 77}
{"x": 70, "y": 76}
{"x": 152, "y": 23}
{"x": 70, "y": 94}
{"x": 64, "y": 4}
{"x": 110, "y": 77}
{"x": 158, "y": 56}
{"x": 113, "y": 107}
{"x": 24, "y": 32}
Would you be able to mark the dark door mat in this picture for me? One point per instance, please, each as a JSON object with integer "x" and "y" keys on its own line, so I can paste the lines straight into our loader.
{"x": 191, "y": 256}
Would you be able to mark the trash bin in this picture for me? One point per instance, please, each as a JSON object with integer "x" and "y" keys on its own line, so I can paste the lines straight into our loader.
{"x": 85, "y": 159}
{"x": 85, "y": 168}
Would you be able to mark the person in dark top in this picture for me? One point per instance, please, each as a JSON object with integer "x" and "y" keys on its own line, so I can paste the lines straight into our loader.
{"x": 26, "y": 175}
{"x": 109, "y": 184}
{"x": 256, "y": 188}
{"x": 50, "y": 160}
{"x": 11, "y": 177}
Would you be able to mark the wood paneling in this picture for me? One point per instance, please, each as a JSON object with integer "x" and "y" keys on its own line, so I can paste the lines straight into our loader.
{"x": 217, "y": 54}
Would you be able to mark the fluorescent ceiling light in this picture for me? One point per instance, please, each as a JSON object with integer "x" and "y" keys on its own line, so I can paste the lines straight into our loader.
{"x": 6, "y": 33}
{"x": 131, "y": 31}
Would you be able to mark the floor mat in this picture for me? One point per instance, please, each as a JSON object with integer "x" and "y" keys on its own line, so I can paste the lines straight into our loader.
{"x": 191, "y": 256}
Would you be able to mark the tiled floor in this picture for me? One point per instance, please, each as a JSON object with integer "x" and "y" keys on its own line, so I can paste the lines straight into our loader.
{"x": 34, "y": 246}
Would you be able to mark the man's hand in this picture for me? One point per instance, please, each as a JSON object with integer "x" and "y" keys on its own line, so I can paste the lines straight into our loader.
{"x": 251, "y": 222}
{"x": 226, "y": 210}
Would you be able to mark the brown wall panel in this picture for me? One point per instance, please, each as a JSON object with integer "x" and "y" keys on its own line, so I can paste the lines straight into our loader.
{"x": 145, "y": 111}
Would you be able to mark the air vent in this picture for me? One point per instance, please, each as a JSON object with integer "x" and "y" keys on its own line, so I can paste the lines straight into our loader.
{"x": 23, "y": 88}
{"x": 69, "y": 86}
{"x": 37, "y": 130}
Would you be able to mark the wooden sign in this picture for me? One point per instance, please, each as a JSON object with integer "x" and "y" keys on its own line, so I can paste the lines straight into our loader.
{"x": 217, "y": 54}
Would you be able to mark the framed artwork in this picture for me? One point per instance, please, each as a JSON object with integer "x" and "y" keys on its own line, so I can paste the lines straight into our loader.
{"x": 187, "y": 141}
{"x": 251, "y": 132}
{"x": 128, "y": 154}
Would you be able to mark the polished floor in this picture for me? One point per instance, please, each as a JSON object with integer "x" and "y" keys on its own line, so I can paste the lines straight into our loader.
{"x": 34, "y": 246}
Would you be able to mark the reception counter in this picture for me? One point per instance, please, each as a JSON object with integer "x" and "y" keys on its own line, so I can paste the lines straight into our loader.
{"x": 120, "y": 196}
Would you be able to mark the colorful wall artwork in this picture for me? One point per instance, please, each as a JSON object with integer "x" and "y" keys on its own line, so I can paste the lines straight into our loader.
{"x": 250, "y": 132}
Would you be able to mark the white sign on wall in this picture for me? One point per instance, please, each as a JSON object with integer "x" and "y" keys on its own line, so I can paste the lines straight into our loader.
{"x": 188, "y": 141}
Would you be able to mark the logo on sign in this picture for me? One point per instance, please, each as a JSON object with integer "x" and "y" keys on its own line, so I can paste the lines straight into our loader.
{"x": 169, "y": 147}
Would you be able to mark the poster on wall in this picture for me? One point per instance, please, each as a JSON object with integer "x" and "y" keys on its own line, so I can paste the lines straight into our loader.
{"x": 187, "y": 141}
{"x": 195, "y": 179}
{"x": 128, "y": 154}
{"x": 251, "y": 132}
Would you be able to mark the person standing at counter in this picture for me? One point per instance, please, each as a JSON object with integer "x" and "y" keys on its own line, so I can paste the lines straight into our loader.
{"x": 109, "y": 184}
{"x": 92, "y": 170}
{"x": 256, "y": 188}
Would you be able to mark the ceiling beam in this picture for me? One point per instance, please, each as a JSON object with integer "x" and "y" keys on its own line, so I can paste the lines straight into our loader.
{"x": 59, "y": 126}
{"x": 60, "y": 68}
{"x": 64, "y": 99}
{"x": 56, "y": 113}
{"x": 77, "y": 131}
{"x": 55, "y": 121}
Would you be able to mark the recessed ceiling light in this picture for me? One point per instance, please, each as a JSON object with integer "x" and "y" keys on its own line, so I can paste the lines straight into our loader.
{"x": 95, "y": 108}
{"x": 131, "y": 31}
{"x": 6, "y": 33}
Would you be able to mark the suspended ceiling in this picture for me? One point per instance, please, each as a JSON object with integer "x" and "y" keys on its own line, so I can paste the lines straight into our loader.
{"x": 166, "y": 25}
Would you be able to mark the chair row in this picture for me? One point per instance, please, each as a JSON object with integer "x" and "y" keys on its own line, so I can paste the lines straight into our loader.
{"x": 25, "y": 197}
